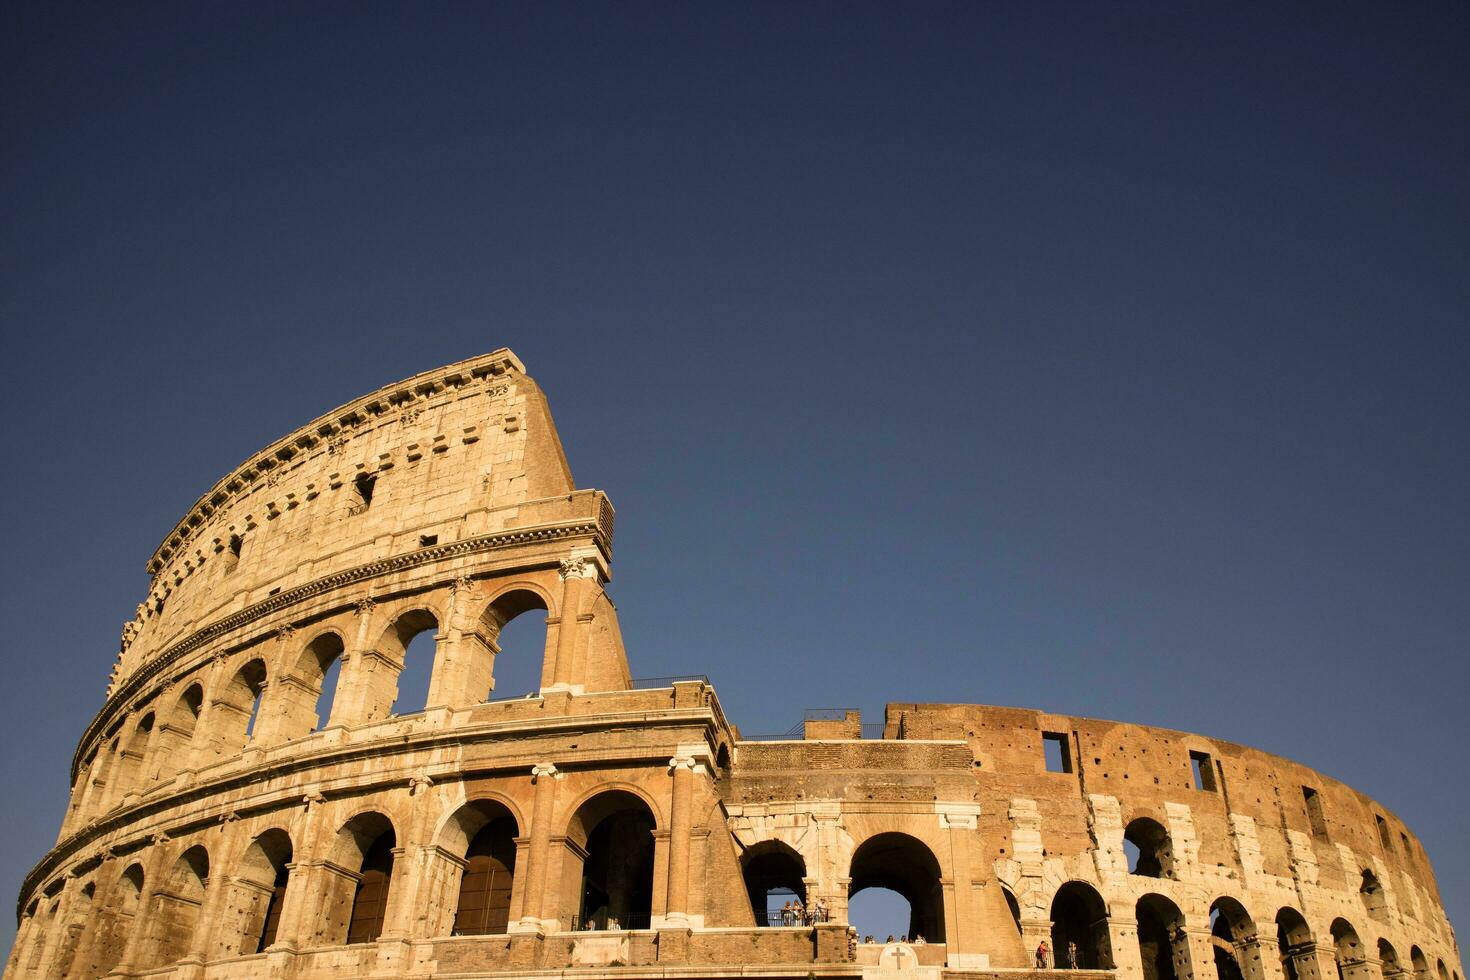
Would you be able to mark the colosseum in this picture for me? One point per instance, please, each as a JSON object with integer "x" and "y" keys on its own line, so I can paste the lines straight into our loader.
{"x": 253, "y": 800}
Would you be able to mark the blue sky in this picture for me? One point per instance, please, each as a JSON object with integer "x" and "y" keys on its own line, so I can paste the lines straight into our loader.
{"x": 1107, "y": 359}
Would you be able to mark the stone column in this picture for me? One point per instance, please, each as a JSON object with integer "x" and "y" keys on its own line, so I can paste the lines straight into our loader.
{"x": 1123, "y": 937}
{"x": 1194, "y": 954}
{"x": 461, "y": 676}
{"x": 962, "y": 938}
{"x": 573, "y": 573}
{"x": 1259, "y": 958}
{"x": 676, "y": 906}
{"x": 544, "y": 776}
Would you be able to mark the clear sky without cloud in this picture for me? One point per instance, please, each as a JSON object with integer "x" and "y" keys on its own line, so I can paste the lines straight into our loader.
{"x": 1110, "y": 359}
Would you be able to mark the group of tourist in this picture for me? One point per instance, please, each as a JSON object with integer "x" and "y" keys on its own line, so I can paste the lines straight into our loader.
{"x": 793, "y": 913}
{"x": 917, "y": 940}
{"x": 1043, "y": 956}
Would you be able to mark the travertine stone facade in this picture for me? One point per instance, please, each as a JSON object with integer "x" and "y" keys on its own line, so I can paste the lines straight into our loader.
{"x": 223, "y": 824}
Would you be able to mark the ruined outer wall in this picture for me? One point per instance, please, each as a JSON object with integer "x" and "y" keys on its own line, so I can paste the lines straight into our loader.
{"x": 215, "y": 738}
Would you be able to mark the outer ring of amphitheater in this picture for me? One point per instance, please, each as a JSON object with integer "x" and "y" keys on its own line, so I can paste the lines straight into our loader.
{"x": 968, "y": 783}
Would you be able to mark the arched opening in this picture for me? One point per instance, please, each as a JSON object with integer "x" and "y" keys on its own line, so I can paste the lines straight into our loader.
{"x": 356, "y": 903}
{"x": 41, "y": 928}
{"x": 904, "y": 865}
{"x": 130, "y": 758}
{"x": 176, "y": 908}
{"x": 1294, "y": 940}
{"x": 1013, "y": 938}
{"x": 1348, "y": 948}
{"x": 370, "y": 898}
{"x": 120, "y": 920}
{"x": 1419, "y": 964}
{"x": 773, "y": 873}
{"x": 1150, "y": 852}
{"x": 1444, "y": 973}
{"x": 261, "y": 891}
{"x": 234, "y": 711}
{"x": 318, "y": 669}
{"x": 513, "y": 629}
{"x": 79, "y": 920}
{"x": 413, "y": 636}
{"x": 1079, "y": 931}
{"x": 1161, "y": 942}
{"x": 611, "y": 836}
{"x": 1375, "y": 900}
{"x": 1230, "y": 928}
{"x": 176, "y": 731}
{"x": 484, "y": 832}
{"x": 1389, "y": 957}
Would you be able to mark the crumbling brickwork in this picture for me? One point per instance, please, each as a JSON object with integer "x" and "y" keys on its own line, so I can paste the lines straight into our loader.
{"x": 224, "y": 823}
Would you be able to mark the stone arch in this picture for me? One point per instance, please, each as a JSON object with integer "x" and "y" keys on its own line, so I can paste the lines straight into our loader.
{"x": 234, "y": 709}
{"x": 41, "y": 931}
{"x": 1389, "y": 958}
{"x": 128, "y": 770}
{"x": 1232, "y": 934}
{"x": 356, "y": 902}
{"x": 306, "y": 701}
{"x": 386, "y": 688}
{"x": 772, "y": 866}
{"x": 176, "y": 730}
{"x": 1079, "y": 915}
{"x": 176, "y": 909}
{"x": 1162, "y": 944}
{"x": 78, "y": 922}
{"x": 1418, "y": 963}
{"x": 1442, "y": 970}
{"x": 510, "y": 603}
{"x": 120, "y": 919}
{"x": 1348, "y": 950}
{"x": 1295, "y": 942}
{"x": 1373, "y": 896}
{"x": 482, "y": 832}
{"x": 905, "y": 865}
{"x": 1151, "y": 854}
{"x": 258, "y": 894}
{"x": 609, "y": 856}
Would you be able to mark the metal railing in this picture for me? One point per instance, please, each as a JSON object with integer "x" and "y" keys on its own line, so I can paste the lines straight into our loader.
{"x": 648, "y": 683}
{"x": 602, "y": 922}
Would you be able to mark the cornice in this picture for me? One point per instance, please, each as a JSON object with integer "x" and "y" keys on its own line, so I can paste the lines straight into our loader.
{"x": 324, "y": 429}
{"x": 599, "y": 529}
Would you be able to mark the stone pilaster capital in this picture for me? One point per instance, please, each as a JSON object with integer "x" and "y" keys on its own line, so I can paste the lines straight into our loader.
{"x": 365, "y": 606}
{"x": 544, "y": 769}
{"x": 418, "y": 784}
{"x": 682, "y": 762}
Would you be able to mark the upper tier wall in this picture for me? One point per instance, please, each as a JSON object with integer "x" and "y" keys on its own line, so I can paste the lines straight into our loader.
{"x": 440, "y": 456}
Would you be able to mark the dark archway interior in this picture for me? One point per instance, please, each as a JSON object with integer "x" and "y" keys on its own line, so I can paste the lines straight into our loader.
{"x": 1150, "y": 855}
{"x": 769, "y": 867}
{"x": 617, "y": 874}
{"x": 1158, "y": 924}
{"x": 484, "y": 889}
{"x": 1079, "y": 916}
{"x": 371, "y": 900}
{"x": 902, "y": 863}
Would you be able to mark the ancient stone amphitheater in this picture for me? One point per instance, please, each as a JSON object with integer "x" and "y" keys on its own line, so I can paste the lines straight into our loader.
{"x": 222, "y": 825}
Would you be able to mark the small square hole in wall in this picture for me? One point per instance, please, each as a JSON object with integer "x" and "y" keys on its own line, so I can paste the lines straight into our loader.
{"x": 1058, "y": 752}
{"x": 1203, "y": 769}
{"x": 425, "y": 540}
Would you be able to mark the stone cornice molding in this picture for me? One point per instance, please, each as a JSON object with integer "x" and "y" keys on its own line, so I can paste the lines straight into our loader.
{"x": 323, "y": 430}
{"x": 129, "y": 688}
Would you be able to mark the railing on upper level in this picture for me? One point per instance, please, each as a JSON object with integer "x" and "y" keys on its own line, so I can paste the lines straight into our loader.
{"x": 649, "y": 683}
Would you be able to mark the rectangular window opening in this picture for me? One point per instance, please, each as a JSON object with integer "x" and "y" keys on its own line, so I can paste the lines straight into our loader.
{"x": 1314, "y": 812}
{"x": 427, "y": 540}
{"x": 1058, "y": 752}
{"x": 1203, "y": 768}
